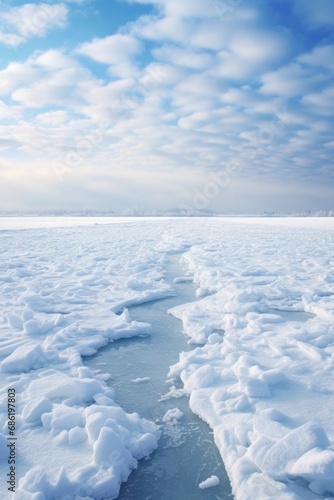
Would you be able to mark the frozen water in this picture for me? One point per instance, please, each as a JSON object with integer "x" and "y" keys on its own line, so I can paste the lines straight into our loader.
{"x": 267, "y": 389}
{"x": 61, "y": 293}
{"x": 257, "y": 359}
{"x": 186, "y": 454}
{"x": 10, "y": 223}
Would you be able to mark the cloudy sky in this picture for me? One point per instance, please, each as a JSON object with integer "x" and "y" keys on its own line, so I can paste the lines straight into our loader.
{"x": 219, "y": 104}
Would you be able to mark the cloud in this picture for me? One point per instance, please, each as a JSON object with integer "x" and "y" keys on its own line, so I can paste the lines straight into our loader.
{"x": 11, "y": 39}
{"x": 114, "y": 49}
{"x": 46, "y": 78}
{"x": 187, "y": 8}
{"x": 52, "y": 118}
{"x": 302, "y": 75}
{"x": 261, "y": 46}
{"x": 7, "y": 112}
{"x": 321, "y": 102}
{"x": 320, "y": 57}
{"x": 181, "y": 93}
{"x": 189, "y": 58}
{"x": 291, "y": 80}
{"x": 19, "y": 24}
{"x": 15, "y": 75}
{"x": 52, "y": 60}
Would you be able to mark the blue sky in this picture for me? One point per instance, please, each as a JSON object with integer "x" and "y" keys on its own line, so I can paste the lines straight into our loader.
{"x": 217, "y": 104}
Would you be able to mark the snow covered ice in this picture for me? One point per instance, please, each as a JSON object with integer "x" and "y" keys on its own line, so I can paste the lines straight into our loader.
{"x": 64, "y": 294}
{"x": 208, "y": 483}
{"x": 264, "y": 383}
{"x": 260, "y": 372}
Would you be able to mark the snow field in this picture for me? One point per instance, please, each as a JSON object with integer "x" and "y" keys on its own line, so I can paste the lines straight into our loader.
{"x": 263, "y": 375}
{"x": 64, "y": 294}
{"x": 260, "y": 373}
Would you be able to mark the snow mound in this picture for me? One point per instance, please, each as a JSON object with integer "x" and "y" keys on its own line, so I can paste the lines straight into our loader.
{"x": 27, "y": 357}
{"x": 173, "y": 414}
{"x": 209, "y": 483}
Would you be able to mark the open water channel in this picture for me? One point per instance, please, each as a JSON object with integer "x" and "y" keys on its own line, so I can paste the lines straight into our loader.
{"x": 138, "y": 367}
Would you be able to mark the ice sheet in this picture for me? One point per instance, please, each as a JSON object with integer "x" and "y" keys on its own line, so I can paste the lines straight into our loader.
{"x": 63, "y": 295}
{"x": 263, "y": 382}
{"x": 266, "y": 384}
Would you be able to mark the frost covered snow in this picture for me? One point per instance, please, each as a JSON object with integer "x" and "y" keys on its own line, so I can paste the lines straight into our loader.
{"x": 260, "y": 372}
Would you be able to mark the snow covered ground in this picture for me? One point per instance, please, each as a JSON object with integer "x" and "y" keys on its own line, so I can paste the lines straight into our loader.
{"x": 68, "y": 221}
{"x": 261, "y": 373}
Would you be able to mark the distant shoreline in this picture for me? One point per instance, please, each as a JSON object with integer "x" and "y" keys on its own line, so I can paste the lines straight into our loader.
{"x": 162, "y": 216}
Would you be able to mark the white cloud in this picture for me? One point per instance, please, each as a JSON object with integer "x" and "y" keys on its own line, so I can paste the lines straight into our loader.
{"x": 52, "y": 118}
{"x": 207, "y": 91}
{"x": 184, "y": 57}
{"x": 46, "y": 78}
{"x": 7, "y": 112}
{"x": 189, "y": 8}
{"x": 52, "y": 59}
{"x": 321, "y": 102}
{"x": 19, "y": 24}
{"x": 114, "y": 49}
{"x": 211, "y": 35}
{"x": 10, "y": 39}
{"x": 199, "y": 84}
{"x": 291, "y": 80}
{"x": 56, "y": 89}
{"x": 321, "y": 56}
{"x": 173, "y": 29}
{"x": 17, "y": 74}
{"x": 259, "y": 46}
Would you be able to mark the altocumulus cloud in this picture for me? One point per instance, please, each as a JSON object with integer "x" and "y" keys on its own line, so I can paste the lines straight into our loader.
{"x": 151, "y": 110}
{"x": 19, "y": 24}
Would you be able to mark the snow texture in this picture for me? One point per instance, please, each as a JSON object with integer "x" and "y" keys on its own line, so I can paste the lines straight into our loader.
{"x": 260, "y": 372}
{"x": 209, "y": 483}
{"x": 64, "y": 294}
{"x": 173, "y": 414}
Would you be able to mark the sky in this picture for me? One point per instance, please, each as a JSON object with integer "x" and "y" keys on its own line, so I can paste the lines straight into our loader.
{"x": 224, "y": 105}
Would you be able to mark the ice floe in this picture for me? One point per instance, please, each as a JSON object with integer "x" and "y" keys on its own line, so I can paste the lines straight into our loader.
{"x": 209, "y": 482}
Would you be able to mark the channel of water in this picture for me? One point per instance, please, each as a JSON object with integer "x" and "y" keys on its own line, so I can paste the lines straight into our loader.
{"x": 186, "y": 454}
